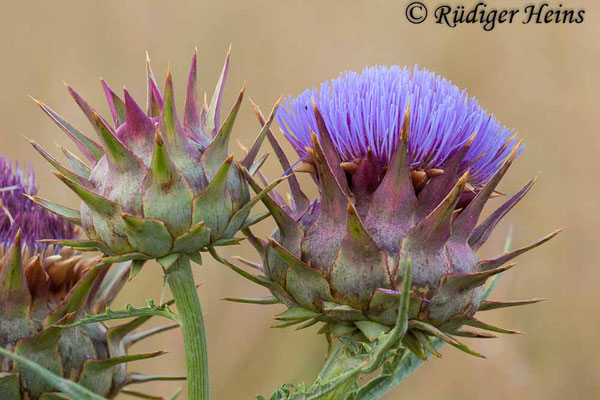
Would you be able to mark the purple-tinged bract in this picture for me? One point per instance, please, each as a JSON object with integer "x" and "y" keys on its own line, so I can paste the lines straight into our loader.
{"x": 156, "y": 186}
{"x": 404, "y": 163}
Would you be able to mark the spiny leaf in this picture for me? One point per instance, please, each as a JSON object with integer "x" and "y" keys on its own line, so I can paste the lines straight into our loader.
{"x": 129, "y": 312}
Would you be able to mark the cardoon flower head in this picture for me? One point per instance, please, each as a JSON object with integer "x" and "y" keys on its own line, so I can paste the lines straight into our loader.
{"x": 364, "y": 114}
{"x": 18, "y": 212}
{"x": 40, "y": 285}
{"x": 404, "y": 162}
{"x": 155, "y": 186}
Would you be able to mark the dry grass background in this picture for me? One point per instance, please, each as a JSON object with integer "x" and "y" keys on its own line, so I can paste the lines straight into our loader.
{"x": 542, "y": 80}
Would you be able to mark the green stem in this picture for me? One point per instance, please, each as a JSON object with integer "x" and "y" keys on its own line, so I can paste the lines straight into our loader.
{"x": 181, "y": 282}
{"x": 332, "y": 365}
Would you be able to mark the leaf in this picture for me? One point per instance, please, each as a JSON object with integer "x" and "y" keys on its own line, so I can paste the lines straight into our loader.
{"x": 70, "y": 389}
{"x": 129, "y": 312}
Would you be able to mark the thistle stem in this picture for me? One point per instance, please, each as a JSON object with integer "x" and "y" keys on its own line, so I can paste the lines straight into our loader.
{"x": 341, "y": 372}
{"x": 181, "y": 282}
{"x": 332, "y": 365}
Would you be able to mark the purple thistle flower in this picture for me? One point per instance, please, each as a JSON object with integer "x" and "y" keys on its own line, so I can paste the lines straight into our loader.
{"x": 367, "y": 110}
{"x": 405, "y": 163}
{"x": 19, "y": 212}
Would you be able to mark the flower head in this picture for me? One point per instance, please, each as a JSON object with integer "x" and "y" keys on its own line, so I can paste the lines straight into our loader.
{"x": 42, "y": 284}
{"x": 366, "y": 110}
{"x": 155, "y": 185}
{"x": 18, "y": 212}
{"x": 405, "y": 163}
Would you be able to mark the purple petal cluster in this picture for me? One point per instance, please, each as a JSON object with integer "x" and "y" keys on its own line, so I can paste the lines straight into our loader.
{"x": 19, "y": 212}
{"x": 366, "y": 109}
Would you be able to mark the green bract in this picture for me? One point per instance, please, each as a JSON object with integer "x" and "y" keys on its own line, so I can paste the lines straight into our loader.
{"x": 156, "y": 187}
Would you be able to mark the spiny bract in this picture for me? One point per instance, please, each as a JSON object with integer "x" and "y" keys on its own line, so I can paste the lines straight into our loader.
{"x": 405, "y": 163}
{"x": 43, "y": 285}
{"x": 156, "y": 187}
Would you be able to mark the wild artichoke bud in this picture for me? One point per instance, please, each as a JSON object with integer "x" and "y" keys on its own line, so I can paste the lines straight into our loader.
{"x": 43, "y": 285}
{"x": 404, "y": 162}
{"x": 155, "y": 186}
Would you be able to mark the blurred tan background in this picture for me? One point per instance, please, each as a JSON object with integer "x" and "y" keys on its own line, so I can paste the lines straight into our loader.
{"x": 543, "y": 80}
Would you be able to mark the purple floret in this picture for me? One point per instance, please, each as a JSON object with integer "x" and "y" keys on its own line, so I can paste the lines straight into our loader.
{"x": 18, "y": 212}
{"x": 367, "y": 109}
